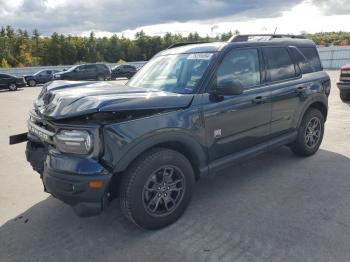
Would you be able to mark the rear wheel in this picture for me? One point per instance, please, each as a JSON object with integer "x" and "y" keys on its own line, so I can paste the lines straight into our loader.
{"x": 310, "y": 133}
{"x": 100, "y": 78}
{"x": 345, "y": 96}
{"x": 32, "y": 83}
{"x": 12, "y": 87}
{"x": 157, "y": 188}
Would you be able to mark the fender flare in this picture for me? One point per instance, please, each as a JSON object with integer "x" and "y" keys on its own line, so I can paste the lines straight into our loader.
{"x": 196, "y": 152}
{"x": 317, "y": 99}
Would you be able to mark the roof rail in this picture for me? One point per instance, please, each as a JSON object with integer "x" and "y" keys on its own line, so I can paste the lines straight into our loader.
{"x": 183, "y": 44}
{"x": 262, "y": 37}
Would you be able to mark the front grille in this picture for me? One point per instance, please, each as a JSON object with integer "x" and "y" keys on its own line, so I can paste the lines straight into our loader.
{"x": 345, "y": 75}
{"x": 40, "y": 128}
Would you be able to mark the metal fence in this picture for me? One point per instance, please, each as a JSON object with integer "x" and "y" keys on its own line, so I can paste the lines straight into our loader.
{"x": 21, "y": 71}
{"x": 332, "y": 57}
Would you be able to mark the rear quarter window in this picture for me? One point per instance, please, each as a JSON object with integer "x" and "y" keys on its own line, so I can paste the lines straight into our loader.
{"x": 301, "y": 61}
{"x": 280, "y": 65}
{"x": 312, "y": 57}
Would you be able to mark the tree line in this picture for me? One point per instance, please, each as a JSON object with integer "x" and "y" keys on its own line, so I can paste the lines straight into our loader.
{"x": 20, "y": 48}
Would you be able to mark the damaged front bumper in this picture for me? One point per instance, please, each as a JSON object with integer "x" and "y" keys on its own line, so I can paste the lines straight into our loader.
{"x": 71, "y": 179}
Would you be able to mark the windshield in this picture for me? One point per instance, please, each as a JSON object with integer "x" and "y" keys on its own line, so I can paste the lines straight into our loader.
{"x": 37, "y": 73}
{"x": 178, "y": 73}
{"x": 72, "y": 68}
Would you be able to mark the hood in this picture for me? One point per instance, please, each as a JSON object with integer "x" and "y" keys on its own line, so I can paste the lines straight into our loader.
{"x": 346, "y": 67}
{"x": 67, "y": 99}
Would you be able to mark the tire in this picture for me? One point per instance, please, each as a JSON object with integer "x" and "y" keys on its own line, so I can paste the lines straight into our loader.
{"x": 100, "y": 78}
{"x": 12, "y": 87}
{"x": 145, "y": 200}
{"x": 310, "y": 133}
{"x": 345, "y": 96}
{"x": 32, "y": 83}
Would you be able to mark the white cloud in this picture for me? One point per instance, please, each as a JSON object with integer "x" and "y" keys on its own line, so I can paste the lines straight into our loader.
{"x": 305, "y": 17}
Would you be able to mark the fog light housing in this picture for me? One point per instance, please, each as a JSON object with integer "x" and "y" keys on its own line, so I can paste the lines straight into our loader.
{"x": 74, "y": 141}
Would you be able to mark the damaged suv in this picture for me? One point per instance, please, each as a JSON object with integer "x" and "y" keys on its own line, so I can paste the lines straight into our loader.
{"x": 192, "y": 109}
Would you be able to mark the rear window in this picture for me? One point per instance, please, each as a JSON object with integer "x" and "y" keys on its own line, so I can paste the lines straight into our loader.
{"x": 312, "y": 57}
{"x": 279, "y": 63}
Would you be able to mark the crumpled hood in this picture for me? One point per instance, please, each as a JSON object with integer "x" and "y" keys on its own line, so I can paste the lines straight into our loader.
{"x": 66, "y": 99}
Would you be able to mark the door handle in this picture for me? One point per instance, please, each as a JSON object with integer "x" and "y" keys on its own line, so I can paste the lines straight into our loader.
{"x": 259, "y": 100}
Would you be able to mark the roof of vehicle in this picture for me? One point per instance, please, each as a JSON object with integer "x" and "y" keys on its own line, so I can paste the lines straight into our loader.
{"x": 218, "y": 46}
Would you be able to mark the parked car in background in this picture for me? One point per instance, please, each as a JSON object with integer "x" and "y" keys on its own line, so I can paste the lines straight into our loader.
{"x": 11, "y": 82}
{"x": 98, "y": 72}
{"x": 127, "y": 71}
{"x": 40, "y": 77}
{"x": 344, "y": 83}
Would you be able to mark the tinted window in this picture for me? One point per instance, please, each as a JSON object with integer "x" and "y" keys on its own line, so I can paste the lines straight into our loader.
{"x": 312, "y": 56}
{"x": 242, "y": 65}
{"x": 301, "y": 60}
{"x": 5, "y": 76}
{"x": 279, "y": 63}
{"x": 102, "y": 67}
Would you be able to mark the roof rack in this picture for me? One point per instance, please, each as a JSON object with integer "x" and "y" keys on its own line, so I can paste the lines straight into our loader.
{"x": 262, "y": 37}
{"x": 186, "y": 43}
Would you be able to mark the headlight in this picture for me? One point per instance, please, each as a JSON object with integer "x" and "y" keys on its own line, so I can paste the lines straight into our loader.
{"x": 73, "y": 141}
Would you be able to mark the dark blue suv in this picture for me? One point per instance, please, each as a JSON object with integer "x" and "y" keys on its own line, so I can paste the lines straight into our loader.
{"x": 192, "y": 109}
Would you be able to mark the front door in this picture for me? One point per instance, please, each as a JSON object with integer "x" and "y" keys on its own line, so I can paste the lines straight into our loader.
{"x": 235, "y": 123}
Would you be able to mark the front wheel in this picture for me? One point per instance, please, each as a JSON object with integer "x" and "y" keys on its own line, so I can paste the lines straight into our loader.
{"x": 310, "y": 133}
{"x": 12, "y": 87}
{"x": 157, "y": 188}
{"x": 345, "y": 96}
{"x": 32, "y": 83}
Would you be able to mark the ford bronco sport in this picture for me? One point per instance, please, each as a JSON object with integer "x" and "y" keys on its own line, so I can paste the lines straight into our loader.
{"x": 192, "y": 109}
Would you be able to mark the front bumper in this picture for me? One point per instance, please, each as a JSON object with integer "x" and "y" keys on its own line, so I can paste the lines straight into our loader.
{"x": 68, "y": 177}
{"x": 21, "y": 84}
{"x": 343, "y": 85}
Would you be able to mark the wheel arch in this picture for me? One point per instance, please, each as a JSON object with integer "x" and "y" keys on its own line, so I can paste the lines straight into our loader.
{"x": 181, "y": 143}
{"x": 320, "y": 104}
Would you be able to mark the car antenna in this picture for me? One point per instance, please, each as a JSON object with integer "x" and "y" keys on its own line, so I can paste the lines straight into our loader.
{"x": 275, "y": 30}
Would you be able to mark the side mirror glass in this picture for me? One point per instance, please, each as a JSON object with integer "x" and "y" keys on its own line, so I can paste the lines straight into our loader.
{"x": 228, "y": 87}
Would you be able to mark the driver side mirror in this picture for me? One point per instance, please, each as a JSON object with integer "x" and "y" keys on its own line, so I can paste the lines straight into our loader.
{"x": 228, "y": 87}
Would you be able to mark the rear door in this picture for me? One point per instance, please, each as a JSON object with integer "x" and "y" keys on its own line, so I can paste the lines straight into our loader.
{"x": 234, "y": 123}
{"x": 287, "y": 86}
{"x": 2, "y": 80}
{"x": 91, "y": 72}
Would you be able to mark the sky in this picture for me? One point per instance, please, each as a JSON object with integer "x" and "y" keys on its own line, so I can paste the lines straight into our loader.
{"x": 156, "y": 17}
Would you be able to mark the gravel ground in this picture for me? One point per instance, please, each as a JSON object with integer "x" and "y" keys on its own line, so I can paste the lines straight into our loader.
{"x": 275, "y": 207}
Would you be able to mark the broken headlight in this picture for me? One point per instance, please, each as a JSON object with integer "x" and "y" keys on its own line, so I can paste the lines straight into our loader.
{"x": 73, "y": 141}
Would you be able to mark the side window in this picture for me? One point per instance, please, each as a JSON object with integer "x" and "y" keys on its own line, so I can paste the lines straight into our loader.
{"x": 311, "y": 55}
{"x": 279, "y": 63}
{"x": 242, "y": 65}
{"x": 81, "y": 68}
{"x": 48, "y": 72}
{"x": 301, "y": 60}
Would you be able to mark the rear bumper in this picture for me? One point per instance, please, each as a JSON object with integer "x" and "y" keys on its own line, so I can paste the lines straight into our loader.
{"x": 68, "y": 178}
{"x": 342, "y": 85}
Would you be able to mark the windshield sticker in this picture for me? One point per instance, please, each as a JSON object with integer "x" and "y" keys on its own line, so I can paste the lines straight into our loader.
{"x": 200, "y": 56}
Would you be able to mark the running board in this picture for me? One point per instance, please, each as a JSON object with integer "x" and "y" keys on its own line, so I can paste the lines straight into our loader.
{"x": 253, "y": 151}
